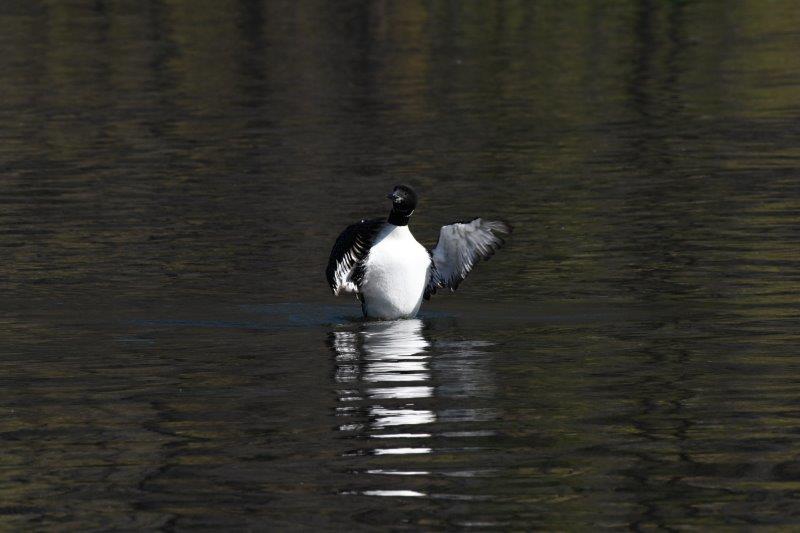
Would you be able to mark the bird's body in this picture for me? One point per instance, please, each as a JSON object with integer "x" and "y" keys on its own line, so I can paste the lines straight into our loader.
{"x": 391, "y": 273}
{"x": 396, "y": 272}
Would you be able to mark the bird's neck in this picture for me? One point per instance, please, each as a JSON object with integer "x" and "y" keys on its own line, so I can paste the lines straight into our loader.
{"x": 399, "y": 217}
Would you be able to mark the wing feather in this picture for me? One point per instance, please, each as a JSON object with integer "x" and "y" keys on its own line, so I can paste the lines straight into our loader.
{"x": 348, "y": 254}
{"x": 460, "y": 247}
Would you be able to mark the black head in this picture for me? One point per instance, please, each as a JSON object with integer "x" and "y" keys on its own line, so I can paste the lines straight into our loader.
{"x": 403, "y": 198}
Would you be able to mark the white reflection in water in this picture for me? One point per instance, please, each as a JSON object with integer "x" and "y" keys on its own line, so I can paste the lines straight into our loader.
{"x": 344, "y": 344}
{"x": 379, "y": 357}
{"x": 399, "y": 472}
{"x": 389, "y": 340}
{"x": 401, "y": 392}
{"x": 401, "y": 435}
{"x": 395, "y": 493}
{"x": 400, "y": 417}
{"x": 401, "y": 451}
{"x": 395, "y": 376}
{"x": 385, "y": 373}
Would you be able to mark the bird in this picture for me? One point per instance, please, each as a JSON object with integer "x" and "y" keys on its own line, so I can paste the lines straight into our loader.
{"x": 381, "y": 262}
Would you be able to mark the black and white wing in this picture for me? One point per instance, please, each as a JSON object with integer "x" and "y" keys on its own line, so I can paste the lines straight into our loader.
{"x": 460, "y": 247}
{"x": 348, "y": 253}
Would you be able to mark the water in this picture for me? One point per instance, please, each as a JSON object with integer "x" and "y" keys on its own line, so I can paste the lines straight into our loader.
{"x": 174, "y": 174}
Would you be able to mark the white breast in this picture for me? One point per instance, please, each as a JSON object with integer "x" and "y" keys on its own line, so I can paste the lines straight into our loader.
{"x": 396, "y": 274}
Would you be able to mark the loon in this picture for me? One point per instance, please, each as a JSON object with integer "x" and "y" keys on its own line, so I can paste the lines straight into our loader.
{"x": 391, "y": 273}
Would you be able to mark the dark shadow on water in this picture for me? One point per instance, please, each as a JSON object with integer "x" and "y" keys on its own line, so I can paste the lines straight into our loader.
{"x": 277, "y": 317}
{"x": 296, "y": 315}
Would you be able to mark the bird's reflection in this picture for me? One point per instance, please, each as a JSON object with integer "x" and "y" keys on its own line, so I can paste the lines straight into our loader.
{"x": 384, "y": 381}
{"x": 409, "y": 403}
{"x": 386, "y": 361}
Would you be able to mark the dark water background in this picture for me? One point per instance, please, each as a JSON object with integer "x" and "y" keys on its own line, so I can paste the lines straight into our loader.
{"x": 173, "y": 174}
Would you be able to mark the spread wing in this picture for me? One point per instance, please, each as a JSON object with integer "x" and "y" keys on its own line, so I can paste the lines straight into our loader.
{"x": 460, "y": 247}
{"x": 349, "y": 251}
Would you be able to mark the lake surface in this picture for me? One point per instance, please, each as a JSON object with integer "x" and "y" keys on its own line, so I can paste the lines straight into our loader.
{"x": 173, "y": 175}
